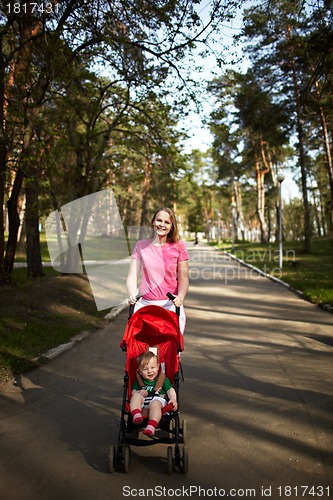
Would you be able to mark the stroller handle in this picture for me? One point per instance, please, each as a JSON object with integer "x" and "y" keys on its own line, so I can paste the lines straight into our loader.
{"x": 169, "y": 295}
{"x": 172, "y": 297}
{"x": 131, "y": 307}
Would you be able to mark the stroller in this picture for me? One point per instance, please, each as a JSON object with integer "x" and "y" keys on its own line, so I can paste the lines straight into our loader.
{"x": 148, "y": 328}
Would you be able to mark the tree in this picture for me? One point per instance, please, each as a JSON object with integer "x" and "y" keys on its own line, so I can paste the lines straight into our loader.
{"x": 318, "y": 95}
{"x": 278, "y": 50}
{"x": 143, "y": 45}
{"x": 258, "y": 137}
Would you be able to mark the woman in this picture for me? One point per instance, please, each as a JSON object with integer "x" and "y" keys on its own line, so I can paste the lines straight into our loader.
{"x": 163, "y": 264}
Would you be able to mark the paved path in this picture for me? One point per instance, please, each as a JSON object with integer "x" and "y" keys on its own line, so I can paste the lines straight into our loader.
{"x": 257, "y": 398}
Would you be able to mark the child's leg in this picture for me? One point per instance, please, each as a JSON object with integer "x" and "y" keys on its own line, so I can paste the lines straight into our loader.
{"x": 155, "y": 415}
{"x": 136, "y": 407}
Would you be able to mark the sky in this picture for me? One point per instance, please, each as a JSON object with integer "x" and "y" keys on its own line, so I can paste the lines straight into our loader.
{"x": 200, "y": 136}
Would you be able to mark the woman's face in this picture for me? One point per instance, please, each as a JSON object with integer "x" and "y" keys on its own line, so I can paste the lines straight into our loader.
{"x": 162, "y": 223}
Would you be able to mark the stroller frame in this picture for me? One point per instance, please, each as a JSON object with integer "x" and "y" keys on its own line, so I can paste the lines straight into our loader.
{"x": 171, "y": 430}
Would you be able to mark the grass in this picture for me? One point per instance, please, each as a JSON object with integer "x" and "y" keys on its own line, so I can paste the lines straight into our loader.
{"x": 312, "y": 273}
{"x": 40, "y": 314}
{"x": 21, "y": 256}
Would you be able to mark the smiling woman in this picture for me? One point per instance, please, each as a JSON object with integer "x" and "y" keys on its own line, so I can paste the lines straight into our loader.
{"x": 162, "y": 263}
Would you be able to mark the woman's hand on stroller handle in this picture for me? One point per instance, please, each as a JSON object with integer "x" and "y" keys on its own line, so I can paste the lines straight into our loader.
{"x": 178, "y": 302}
{"x": 133, "y": 299}
{"x": 175, "y": 299}
{"x": 131, "y": 302}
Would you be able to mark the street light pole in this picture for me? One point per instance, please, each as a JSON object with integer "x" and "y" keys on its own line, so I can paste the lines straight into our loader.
{"x": 218, "y": 228}
{"x": 233, "y": 206}
{"x": 280, "y": 179}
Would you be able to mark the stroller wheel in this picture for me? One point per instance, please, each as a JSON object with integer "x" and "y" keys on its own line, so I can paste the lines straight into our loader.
{"x": 126, "y": 458}
{"x": 170, "y": 460}
{"x": 183, "y": 432}
{"x": 112, "y": 459}
{"x": 184, "y": 466}
{"x": 119, "y": 458}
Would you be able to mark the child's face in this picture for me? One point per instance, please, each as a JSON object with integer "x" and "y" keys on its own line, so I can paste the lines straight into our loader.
{"x": 150, "y": 370}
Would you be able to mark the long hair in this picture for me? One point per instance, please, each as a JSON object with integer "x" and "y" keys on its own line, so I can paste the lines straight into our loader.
{"x": 173, "y": 235}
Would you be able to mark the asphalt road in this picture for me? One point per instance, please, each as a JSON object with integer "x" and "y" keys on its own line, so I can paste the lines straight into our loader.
{"x": 257, "y": 399}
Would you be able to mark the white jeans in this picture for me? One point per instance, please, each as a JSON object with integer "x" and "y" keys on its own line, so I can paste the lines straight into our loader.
{"x": 167, "y": 304}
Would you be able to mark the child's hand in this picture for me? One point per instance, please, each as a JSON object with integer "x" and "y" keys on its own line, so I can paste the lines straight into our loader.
{"x": 174, "y": 403}
{"x": 143, "y": 393}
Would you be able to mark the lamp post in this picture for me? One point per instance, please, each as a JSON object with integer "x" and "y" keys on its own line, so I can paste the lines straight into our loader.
{"x": 280, "y": 179}
{"x": 233, "y": 206}
{"x": 218, "y": 227}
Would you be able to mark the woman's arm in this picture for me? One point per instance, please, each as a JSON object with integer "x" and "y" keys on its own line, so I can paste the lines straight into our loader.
{"x": 183, "y": 283}
{"x": 132, "y": 279}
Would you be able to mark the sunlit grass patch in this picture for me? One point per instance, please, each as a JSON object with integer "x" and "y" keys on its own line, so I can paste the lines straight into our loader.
{"x": 312, "y": 273}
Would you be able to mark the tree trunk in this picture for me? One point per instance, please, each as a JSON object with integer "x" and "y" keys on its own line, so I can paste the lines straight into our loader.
{"x": 3, "y": 164}
{"x": 34, "y": 258}
{"x": 261, "y": 205}
{"x": 3, "y": 155}
{"x": 14, "y": 224}
{"x": 12, "y": 204}
{"x": 301, "y": 151}
{"x": 260, "y": 179}
{"x": 145, "y": 191}
{"x": 240, "y": 216}
{"x": 18, "y": 75}
{"x": 327, "y": 153}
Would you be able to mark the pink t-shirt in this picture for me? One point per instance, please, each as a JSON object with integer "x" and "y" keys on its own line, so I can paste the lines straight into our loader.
{"x": 159, "y": 267}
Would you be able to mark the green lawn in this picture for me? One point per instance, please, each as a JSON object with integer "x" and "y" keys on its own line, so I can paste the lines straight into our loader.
{"x": 41, "y": 313}
{"x": 312, "y": 274}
